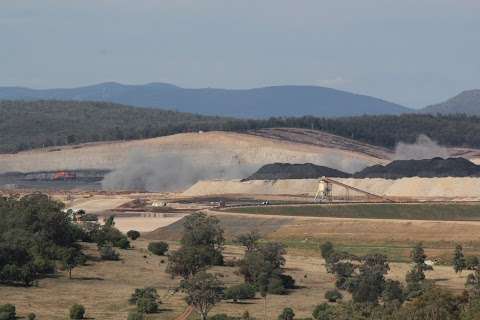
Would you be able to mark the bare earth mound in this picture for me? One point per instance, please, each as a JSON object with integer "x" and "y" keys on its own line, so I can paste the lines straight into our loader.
{"x": 233, "y": 225}
{"x": 219, "y": 148}
{"x": 276, "y": 171}
{"x": 413, "y": 188}
{"x": 426, "y": 168}
{"x": 323, "y": 139}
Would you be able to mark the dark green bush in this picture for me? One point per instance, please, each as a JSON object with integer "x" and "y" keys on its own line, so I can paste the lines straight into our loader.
{"x": 333, "y": 295}
{"x": 133, "y": 234}
{"x": 240, "y": 292}
{"x": 109, "y": 234}
{"x": 147, "y": 292}
{"x": 77, "y": 311}
{"x": 158, "y": 248}
{"x": 7, "y": 312}
{"x": 324, "y": 311}
{"x": 220, "y": 316}
{"x": 471, "y": 262}
{"x": 287, "y": 281}
{"x": 108, "y": 253}
{"x": 146, "y": 305}
{"x": 146, "y": 300}
{"x": 88, "y": 217}
{"x": 122, "y": 243}
{"x": 31, "y": 316}
{"x": 135, "y": 316}
{"x": 326, "y": 250}
{"x": 6, "y": 316}
{"x": 275, "y": 286}
{"x": 287, "y": 314}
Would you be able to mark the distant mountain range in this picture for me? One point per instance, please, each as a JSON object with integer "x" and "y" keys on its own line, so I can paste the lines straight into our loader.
{"x": 467, "y": 102}
{"x": 249, "y": 103}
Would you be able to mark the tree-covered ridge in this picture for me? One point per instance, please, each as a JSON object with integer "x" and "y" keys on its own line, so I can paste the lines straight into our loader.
{"x": 26, "y": 125}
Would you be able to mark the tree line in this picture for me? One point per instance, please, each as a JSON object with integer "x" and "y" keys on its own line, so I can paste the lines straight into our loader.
{"x": 35, "y": 124}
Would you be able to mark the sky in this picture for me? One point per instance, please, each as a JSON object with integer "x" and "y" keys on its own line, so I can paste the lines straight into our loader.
{"x": 412, "y": 52}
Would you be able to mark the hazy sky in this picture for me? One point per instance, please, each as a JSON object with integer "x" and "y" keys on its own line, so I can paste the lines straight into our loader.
{"x": 413, "y": 52}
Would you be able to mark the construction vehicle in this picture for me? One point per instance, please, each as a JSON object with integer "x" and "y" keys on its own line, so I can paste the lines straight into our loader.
{"x": 64, "y": 175}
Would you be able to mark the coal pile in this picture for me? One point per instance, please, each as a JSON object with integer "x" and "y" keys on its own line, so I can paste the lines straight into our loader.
{"x": 427, "y": 168}
{"x": 295, "y": 171}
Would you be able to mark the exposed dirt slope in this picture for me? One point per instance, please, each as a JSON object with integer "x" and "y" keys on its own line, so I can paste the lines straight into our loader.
{"x": 416, "y": 188}
{"x": 233, "y": 225}
{"x": 323, "y": 139}
{"x": 219, "y": 148}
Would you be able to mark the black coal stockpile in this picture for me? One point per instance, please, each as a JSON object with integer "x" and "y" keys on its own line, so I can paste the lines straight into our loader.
{"x": 427, "y": 168}
{"x": 295, "y": 171}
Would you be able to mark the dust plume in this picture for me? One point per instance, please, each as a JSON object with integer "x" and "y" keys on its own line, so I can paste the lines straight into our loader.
{"x": 165, "y": 172}
{"x": 423, "y": 148}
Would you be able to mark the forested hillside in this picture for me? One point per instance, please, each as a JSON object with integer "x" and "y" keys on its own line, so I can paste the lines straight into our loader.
{"x": 25, "y": 125}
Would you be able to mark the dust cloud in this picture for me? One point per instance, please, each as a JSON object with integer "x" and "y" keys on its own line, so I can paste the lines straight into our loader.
{"x": 423, "y": 148}
{"x": 169, "y": 172}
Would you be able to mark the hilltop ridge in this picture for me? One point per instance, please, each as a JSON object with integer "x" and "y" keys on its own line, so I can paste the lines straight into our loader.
{"x": 274, "y": 101}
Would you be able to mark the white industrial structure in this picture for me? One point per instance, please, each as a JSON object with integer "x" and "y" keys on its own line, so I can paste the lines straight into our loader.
{"x": 324, "y": 191}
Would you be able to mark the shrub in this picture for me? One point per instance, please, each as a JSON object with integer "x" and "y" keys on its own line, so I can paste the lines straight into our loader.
{"x": 240, "y": 292}
{"x": 77, "y": 311}
{"x": 220, "y": 316}
{"x": 471, "y": 262}
{"x": 333, "y": 295}
{"x": 8, "y": 312}
{"x": 148, "y": 292}
{"x": 109, "y": 234}
{"x": 158, "y": 248}
{"x": 133, "y": 234}
{"x": 287, "y": 281}
{"x": 135, "y": 316}
{"x": 275, "y": 286}
{"x": 108, "y": 253}
{"x": 326, "y": 250}
{"x": 287, "y": 314}
{"x": 393, "y": 291}
{"x": 145, "y": 299}
{"x": 89, "y": 217}
{"x": 6, "y": 316}
{"x": 147, "y": 305}
{"x": 324, "y": 311}
{"x": 122, "y": 243}
{"x": 31, "y": 316}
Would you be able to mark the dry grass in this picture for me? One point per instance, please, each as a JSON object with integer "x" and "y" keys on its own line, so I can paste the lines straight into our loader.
{"x": 144, "y": 224}
{"x": 104, "y": 287}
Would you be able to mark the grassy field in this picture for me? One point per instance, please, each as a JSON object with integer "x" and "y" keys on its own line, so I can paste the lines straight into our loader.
{"x": 414, "y": 211}
{"x": 104, "y": 287}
